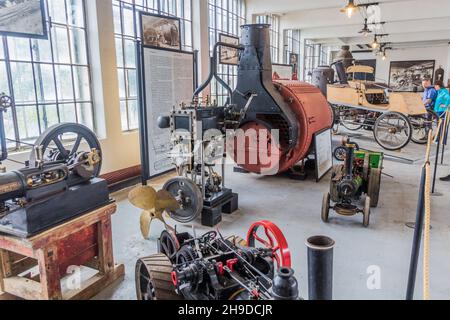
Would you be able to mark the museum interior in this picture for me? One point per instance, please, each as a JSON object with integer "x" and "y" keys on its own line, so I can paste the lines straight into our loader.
{"x": 224, "y": 150}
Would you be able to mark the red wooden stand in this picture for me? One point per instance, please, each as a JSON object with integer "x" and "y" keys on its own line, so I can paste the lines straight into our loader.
{"x": 84, "y": 241}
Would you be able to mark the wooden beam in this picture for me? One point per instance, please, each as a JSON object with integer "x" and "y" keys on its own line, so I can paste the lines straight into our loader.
{"x": 96, "y": 284}
{"x": 22, "y": 287}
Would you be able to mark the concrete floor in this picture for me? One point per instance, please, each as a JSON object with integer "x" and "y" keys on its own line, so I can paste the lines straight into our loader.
{"x": 295, "y": 207}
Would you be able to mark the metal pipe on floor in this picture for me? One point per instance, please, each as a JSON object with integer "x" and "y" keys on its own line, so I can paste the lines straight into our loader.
{"x": 320, "y": 267}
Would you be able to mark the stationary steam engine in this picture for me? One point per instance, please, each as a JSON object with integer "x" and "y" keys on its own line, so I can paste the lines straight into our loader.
{"x": 57, "y": 183}
{"x": 272, "y": 122}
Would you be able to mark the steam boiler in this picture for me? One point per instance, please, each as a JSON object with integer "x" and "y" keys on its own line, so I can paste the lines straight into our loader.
{"x": 297, "y": 110}
{"x": 267, "y": 126}
{"x": 56, "y": 184}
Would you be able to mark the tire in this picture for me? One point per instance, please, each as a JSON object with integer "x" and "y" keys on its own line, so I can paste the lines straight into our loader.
{"x": 423, "y": 124}
{"x": 374, "y": 187}
{"x": 326, "y": 207}
{"x": 339, "y": 153}
{"x": 366, "y": 220}
{"x": 153, "y": 276}
{"x": 380, "y": 126}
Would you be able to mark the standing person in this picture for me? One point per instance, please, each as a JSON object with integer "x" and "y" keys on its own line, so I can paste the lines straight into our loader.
{"x": 429, "y": 95}
{"x": 442, "y": 98}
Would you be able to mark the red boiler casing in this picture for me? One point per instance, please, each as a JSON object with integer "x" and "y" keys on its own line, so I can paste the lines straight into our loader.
{"x": 313, "y": 114}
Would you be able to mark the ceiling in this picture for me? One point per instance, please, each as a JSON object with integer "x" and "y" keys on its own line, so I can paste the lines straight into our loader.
{"x": 408, "y": 22}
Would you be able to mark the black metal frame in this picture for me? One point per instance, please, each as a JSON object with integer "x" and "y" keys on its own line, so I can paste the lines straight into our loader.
{"x": 147, "y": 14}
{"x": 31, "y": 35}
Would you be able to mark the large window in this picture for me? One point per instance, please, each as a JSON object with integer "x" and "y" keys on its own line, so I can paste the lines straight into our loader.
{"x": 291, "y": 45}
{"x": 274, "y": 22}
{"x": 315, "y": 54}
{"x": 225, "y": 16}
{"x": 49, "y": 80}
{"x": 126, "y": 33}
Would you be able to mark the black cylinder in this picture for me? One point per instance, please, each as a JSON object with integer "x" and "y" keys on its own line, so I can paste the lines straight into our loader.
{"x": 320, "y": 267}
{"x": 256, "y": 37}
{"x": 285, "y": 286}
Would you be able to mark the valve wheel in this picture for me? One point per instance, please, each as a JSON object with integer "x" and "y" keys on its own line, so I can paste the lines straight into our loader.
{"x": 275, "y": 241}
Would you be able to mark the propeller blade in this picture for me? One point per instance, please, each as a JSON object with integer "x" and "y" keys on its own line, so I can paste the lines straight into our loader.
{"x": 146, "y": 221}
{"x": 143, "y": 197}
{"x": 166, "y": 201}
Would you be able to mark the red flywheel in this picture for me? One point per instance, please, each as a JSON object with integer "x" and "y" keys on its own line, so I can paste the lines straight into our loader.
{"x": 271, "y": 237}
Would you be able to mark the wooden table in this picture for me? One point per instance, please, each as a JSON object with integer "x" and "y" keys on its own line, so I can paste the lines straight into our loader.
{"x": 84, "y": 241}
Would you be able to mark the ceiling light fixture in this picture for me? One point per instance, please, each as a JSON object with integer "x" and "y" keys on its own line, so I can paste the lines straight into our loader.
{"x": 350, "y": 8}
{"x": 366, "y": 30}
{"x": 375, "y": 44}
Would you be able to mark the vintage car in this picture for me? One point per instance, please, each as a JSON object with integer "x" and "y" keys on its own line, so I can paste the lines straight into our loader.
{"x": 395, "y": 118}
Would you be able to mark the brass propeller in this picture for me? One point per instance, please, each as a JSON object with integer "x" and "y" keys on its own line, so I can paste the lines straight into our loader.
{"x": 154, "y": 205}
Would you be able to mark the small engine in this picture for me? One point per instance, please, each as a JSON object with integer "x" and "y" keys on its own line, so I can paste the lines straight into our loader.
{"x": 211, "y": 267}
{"x": 52, "y": 187}
{"x": 360, "y": 174}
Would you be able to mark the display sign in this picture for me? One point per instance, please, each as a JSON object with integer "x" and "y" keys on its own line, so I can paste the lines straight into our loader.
{"x": 323, "y": 153}
{"x": 168, "y": 82}
{"x": 23, "y": 18}
{"x": 284, "y": 71}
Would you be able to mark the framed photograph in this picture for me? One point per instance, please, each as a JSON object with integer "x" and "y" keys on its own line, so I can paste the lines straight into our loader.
{"x": 160, "y": 32}
{"x": 293, "y": 59}
{"x": 323, "y": 153}
{"x": 408, "y": 75}
{"x": 23, "y": 18}
{"x": 228, "y": 55}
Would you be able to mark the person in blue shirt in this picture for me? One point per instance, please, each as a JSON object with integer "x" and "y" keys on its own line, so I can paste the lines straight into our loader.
{"x": 429, "y": 95}
{"x": 442, "y": 99}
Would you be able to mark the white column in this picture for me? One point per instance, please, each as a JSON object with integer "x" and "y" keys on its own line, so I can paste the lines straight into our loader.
{"x": 200, "y": 23}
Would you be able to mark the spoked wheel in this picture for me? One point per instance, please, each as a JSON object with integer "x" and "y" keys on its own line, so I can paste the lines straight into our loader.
{"x": 188, "y": 195}
{"x": 422, "y": 125}
{"x": 169, "y": 245}
{"x": 340, "y": 153}
{"x": 351, "y": 119}
{"x": 393, "y": 131}
{"x": 154, "y": 279}
{"x": 64, "y": 142}
{"x": 366, "y": 212}
{"x": 271, "y": 237}
{"x": 326, "y": 207}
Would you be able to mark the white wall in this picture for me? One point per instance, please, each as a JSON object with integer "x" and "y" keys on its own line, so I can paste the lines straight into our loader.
{"x": 439, "y": 53}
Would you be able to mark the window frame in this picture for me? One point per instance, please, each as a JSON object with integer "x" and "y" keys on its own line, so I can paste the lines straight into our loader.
{"x": 39, "y": 101}
{"x": 235, "y": 12}
{"x": 160, "y": 7}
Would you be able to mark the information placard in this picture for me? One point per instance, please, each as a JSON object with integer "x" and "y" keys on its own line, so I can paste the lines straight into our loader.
{"x": 168, "y": 79}
{"x": 323, "y": 153}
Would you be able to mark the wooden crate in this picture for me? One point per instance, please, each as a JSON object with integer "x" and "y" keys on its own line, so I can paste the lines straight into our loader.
{"x": 83, "y": 241}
